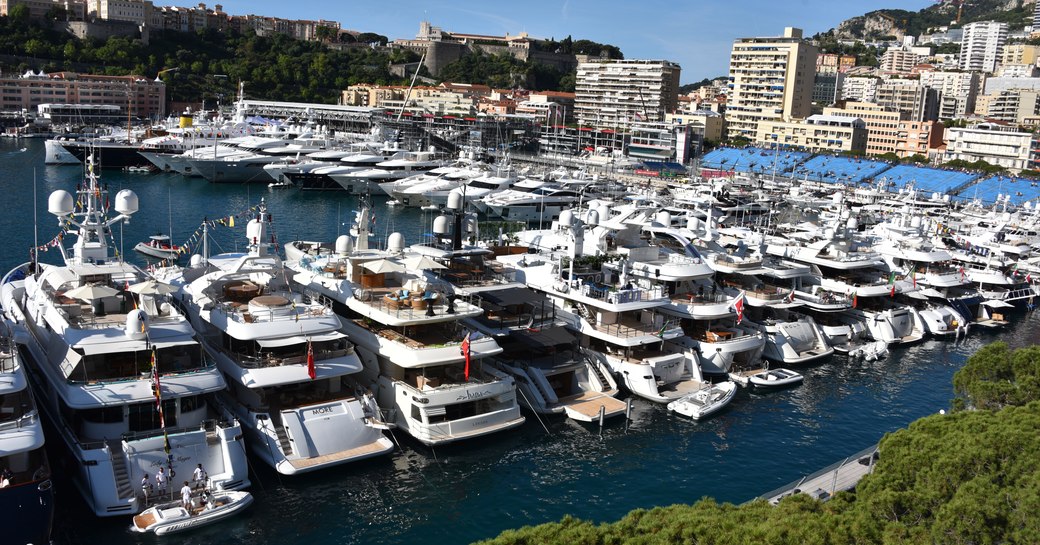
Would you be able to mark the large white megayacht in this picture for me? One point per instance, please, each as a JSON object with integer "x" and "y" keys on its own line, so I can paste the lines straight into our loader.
{"x": 99, "y": 366}
{"x": 623, "y": 326}
{"x": 426, "y": 367}
{"x": 288, "y": 367}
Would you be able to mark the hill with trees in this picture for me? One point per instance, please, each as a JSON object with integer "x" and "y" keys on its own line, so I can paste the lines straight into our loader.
{"x": 207, "y": 63}
{"x": 968, "y": 477}
{"x": 885, "y": 23}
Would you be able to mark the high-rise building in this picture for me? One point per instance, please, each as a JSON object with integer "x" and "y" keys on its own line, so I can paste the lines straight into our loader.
{"x": 612, "y": 93}
{"x": 771, "y": 79}
{"x": 983, "y": 45}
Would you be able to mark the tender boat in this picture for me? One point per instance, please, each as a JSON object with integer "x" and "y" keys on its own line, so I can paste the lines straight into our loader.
{"x": 279, "y": 185}
{"x": 159, "y": 246}
{"x": 775, "y": 378}
{"x": 706, "y": 401}
{"x": 206, "y": 508}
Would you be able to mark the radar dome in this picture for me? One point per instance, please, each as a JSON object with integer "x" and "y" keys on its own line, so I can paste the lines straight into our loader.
{"x": 254, "y": 231}
{"x": 136, "y": 324}
{"x": 440, "y": 225}
{"x": 395, "y": 243}
{"x": 852, "y": 224}
{"x": 469, "y": 225}
{"x": 592, "y": 218}
{"x": 664, "y": 218}
{"x": 455, "y": 200}
{"x": 195, "y": 261}
{"x": 60, "y": 203}
{"x": 126, "y": 202}
{"x": 344, "y": 245}
{"x": 566, "y": 218}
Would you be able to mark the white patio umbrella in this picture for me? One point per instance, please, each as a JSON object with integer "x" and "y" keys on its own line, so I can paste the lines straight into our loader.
{"x": 383, "y": 266}
{"x": 91, "y": 292}
{"x": 151, "y": 287}
{"x": 422, "y": 263}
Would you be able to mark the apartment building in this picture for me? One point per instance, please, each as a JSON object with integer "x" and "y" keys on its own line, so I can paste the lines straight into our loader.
{"x": 821, "y": 132}
{"x": 957, "y": 91}
{"x": 833, "y": 63}
{"x": 982, "y": 45}
{"x": 771, "y": 79}
{"x": 995, "y": 143}
{"x": 900, "y": 61}
{"x": 1017, "y": 106}
{"x": 860, "y": 88}
{"x": 145, "y": 98}
{"x": 910, "y": 98}
{"x": 922, "y": 138}
{"x": 612, "y": 93}
{"x": 882, "y": 124}
{"x": 1020, "y": 54}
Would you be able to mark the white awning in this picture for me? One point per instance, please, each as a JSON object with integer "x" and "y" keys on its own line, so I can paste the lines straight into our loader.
{"x": 931, "y": 292}
{"x": 994, "y": 303}
{"x": 299, "y": 339}
{"x": 917, "y": 295}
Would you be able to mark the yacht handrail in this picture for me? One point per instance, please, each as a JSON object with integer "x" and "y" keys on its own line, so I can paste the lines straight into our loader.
{"x": 27, "y": 419}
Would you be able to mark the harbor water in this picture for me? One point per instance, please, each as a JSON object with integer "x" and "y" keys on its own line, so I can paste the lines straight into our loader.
{"x": 538, "y": 473}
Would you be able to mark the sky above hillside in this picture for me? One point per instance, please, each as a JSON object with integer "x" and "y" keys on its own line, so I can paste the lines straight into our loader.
{"x": 697, "y": 34}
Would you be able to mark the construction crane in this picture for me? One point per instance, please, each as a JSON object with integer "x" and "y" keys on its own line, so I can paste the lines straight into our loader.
{"x": 960, "y": 7}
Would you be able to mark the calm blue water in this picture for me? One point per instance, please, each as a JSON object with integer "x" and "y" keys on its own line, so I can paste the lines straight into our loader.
{"x": 469, "y": 492}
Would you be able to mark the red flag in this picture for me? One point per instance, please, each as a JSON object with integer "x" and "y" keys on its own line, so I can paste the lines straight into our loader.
{"x": 739, "y": 307}
{"x": 465, "y": 352}
{"x": 913, "y": 276}
{"x": 855, "y": 298}
{"x": 310, "y": 361}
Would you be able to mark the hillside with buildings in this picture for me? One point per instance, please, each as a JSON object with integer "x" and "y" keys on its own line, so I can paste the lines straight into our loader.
{"x": 899, "y": 23}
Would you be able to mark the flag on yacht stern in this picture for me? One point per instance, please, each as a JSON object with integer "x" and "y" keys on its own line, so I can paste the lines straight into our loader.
{"x": 310, "y": 361}
{"x": 465, "y": 352}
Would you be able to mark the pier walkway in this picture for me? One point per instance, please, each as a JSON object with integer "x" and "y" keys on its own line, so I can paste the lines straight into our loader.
{"x": 827, "y": 482}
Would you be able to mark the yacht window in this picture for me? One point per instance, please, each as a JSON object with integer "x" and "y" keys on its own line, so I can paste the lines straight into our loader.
{"x": 192, "y": 403}
{"x": 104, "y": 415}
{"x": 14, "y": 405}
{"x": 144, "y": 416}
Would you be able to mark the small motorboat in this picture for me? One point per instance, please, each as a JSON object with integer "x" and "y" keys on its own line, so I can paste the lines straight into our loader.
{"x": 870, "y": 351}
{"x": 706, "y": 401}
{"x": 170, "y": 517}
{"x": 159, "y": 246}
{"x": 775, "y": 378}
{"x": 280, "y": 185}
{"x": 141, "y": 169}
{"x": 393, "y": 202}
{"x": 431, "y": 207}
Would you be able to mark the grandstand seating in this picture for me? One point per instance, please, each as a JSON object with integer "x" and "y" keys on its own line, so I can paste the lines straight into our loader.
{"x": 987, "y": 190}
{"x": 936, "y": 180}
{"x": 834, "y": 168}
{"x": 754, "y": 160}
